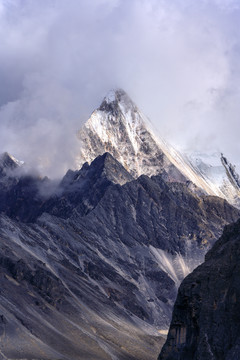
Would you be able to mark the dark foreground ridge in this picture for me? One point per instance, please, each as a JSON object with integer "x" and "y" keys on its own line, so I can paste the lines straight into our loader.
{"x": 91, "y": 272}
{"x": 206, "y": 317}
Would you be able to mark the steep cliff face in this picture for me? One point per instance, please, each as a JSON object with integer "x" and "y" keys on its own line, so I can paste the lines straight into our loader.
{"x": 205, "y": 323}
{"x": 92, "y": 271}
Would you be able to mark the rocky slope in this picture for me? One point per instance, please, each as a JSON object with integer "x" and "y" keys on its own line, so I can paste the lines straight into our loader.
{"x": 120, "y": 128}
{"x": 205, "y": 323}
{"x": 92, "y": 271}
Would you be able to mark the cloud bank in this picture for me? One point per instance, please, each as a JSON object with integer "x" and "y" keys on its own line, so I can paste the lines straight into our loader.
{"x": 179, "y": 60}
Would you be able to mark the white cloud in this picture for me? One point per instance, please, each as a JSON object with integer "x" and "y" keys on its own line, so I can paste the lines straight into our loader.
{"x": 178, "y": 59}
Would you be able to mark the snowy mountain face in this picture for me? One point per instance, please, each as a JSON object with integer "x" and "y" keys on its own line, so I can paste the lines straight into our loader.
{"x": 118, "y": 127}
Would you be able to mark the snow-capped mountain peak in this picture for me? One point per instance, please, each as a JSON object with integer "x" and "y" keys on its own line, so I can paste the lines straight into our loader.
{"x": 117, "y": 126}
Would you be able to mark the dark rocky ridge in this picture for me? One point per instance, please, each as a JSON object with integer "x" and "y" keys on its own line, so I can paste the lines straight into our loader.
{"x": 95, "y": 273}
{"x": 22, "y": 196}
{"x": 206, "y": 317}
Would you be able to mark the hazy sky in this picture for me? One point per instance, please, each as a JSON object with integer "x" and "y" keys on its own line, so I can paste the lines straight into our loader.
{"x": 178, "y": 59}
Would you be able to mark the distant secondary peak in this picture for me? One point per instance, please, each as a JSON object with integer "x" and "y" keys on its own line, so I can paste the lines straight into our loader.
{"x": 9, "y": 162}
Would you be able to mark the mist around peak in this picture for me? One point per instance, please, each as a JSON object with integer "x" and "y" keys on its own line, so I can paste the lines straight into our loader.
{"x": 178, "y": 60}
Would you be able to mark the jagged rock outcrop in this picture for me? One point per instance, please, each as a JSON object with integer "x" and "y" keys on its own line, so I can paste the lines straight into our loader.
{"x": 231, "y": 173}
{"x": 205, "y": 323}
{"x": 92, "y": 272}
